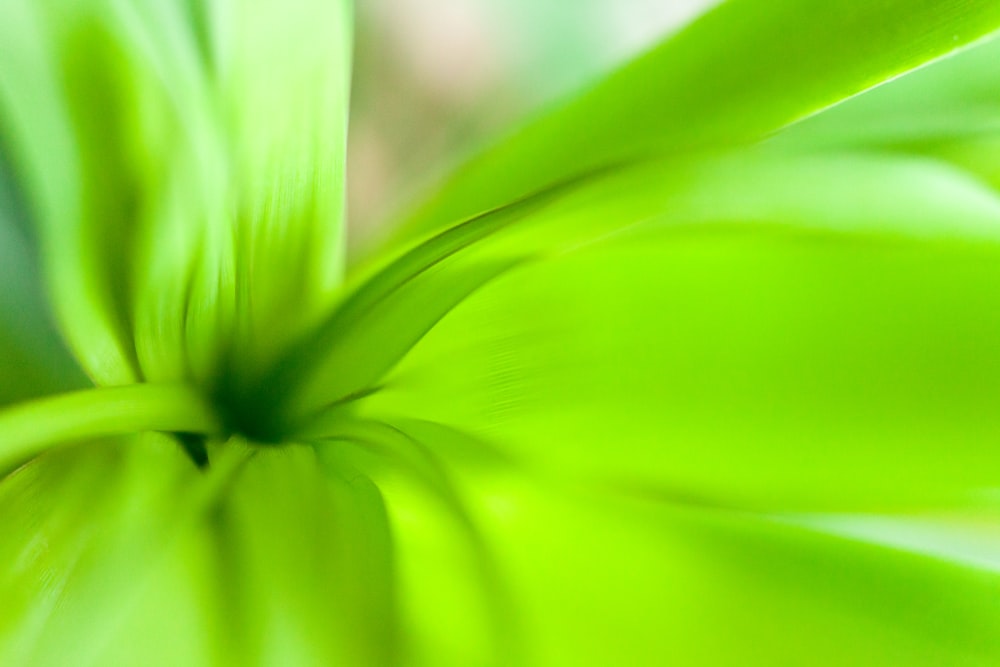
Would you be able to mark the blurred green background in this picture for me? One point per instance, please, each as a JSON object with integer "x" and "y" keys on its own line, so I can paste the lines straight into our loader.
{"x": 435, "y": 79}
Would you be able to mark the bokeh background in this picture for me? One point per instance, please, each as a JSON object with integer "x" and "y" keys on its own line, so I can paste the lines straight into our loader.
{"x": 435, "y": 79}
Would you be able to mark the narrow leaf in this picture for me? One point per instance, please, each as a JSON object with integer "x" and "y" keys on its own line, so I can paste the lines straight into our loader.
{"x": 31, "y": 428}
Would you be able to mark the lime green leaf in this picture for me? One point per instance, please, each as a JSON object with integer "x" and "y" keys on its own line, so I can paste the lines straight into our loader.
{"x": 304, "y": 566}
{"x": 957, "y": 98}
{"x": 735, "y": 75}
{"x": 777, "y": 332}
{"x": 33, "y": 427}
{"x": 454, "y": 600}
{"x": 176, "y": 618}
{"x": 389, "y": 312}
{"x": 33, "y": 359}
{"x": 51, "y": 509}
{"x": 284, "y": 76}
{"x": 186, "y": 175}
{"x": 85, "y": 530}
{"x": 282, "y": 563}
{"x": 600, "y": 581}
{"x": 359, "y": 340}
{"x": 387, "y": 450}
{"x": 949, "y": 110}
{"x": 106, "y": 124}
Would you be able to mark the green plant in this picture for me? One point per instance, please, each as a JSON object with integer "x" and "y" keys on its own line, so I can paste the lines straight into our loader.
{"x": 605, "y": 399}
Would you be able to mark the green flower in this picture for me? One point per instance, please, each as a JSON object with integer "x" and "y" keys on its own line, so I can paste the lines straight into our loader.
{"x": 699, "y": 368}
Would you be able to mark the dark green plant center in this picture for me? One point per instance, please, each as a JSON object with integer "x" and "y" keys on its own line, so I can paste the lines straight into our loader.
{"x": 251, "y": 412}
{"x": 248, "y": 412}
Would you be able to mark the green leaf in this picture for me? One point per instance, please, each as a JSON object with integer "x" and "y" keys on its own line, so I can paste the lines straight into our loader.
{"x": 33, "y": 359}
{"x": 285, "y": 562}
{"x": 773, "y": 332}
{"x": 954, "y": 99}
{"x": 31, "y": 428}
{"x": 36, "y": 132}
{"x": 599, "y": 580}
{"x": 176, "y": 167}
{"x": 113, "y": 549}
{"x": 284, "y": 78}
{"x": 949, "y": 110}
{"x": 86, "y": 530}
{"x": 304, "y": 565}
{"x": 737, "y": 74}
{"x": 102, "y": 113}
{"x": 454, "y": 600}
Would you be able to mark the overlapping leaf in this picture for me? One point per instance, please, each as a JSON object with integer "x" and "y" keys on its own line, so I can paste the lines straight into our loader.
{"x": 186, "y": 174}
{"x": 808, "y": 334}
{"x": 579, "y": 396}
{"x": 33, "y": 361}
{"x": 737, "y": 74}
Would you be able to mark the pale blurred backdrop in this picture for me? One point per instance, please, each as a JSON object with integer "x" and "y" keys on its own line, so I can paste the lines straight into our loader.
{"x": 434, "y": 79}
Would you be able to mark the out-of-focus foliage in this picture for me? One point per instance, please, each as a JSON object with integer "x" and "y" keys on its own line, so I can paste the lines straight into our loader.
{"x": 434, "y": 80}
{"x": 697, "y": 367}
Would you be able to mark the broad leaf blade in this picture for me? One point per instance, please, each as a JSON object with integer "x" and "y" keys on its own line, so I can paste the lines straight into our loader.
{"x": 599, "y": 581}
{"x": 954, "y": 99}
{"x": 305, "y": 565}
{"x": 86, "y": 530}
{"x": 808, "y": 332}
{"x": 741, "y": 72}
{"x": 283, "y": 80}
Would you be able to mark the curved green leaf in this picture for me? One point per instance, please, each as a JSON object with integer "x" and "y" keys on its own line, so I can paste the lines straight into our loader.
{"x": 599, "y": 581}
{"x": 284, "y": 80}
{"x": 957, "y": 98}
{"x": 88, "y": 532}
{"x": 31, "y": 428}
{"x": 102, "y": 115}
{"x": 387, "y": 451}
{"x": 185, "y": 167}
{"x": 388, "y": 313}
{"x": 454, "y": 601}
{"x": 33, "y": 359}
{"x": 304, "y": 566}
{"x": 776, "y": 332}
{"x": 737, "y": 74}
{"x": 287, "y": 565}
